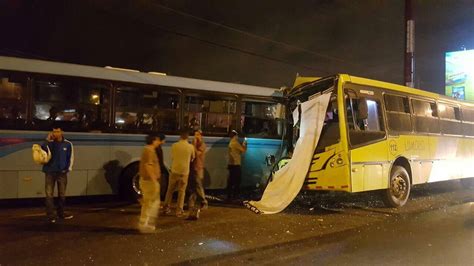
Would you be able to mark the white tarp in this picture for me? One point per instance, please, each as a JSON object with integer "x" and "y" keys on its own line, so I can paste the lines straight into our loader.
{"x": 287, "y": 181}
{"x": 296, "y": 116}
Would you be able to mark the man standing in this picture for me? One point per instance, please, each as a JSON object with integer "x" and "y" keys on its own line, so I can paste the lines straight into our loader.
{"x": 56, "y": 170}
{"x": 235, "y": 152}
{"x": 196, "y": 179}
{"x": 182, "y": 153}
{"x": 150, "y": 174}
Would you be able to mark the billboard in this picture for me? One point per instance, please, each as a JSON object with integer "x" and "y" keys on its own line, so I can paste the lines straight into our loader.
{"x": 460, "y": 75}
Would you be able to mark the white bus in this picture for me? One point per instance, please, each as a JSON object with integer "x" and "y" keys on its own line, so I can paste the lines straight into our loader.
{"x": 105, "y": 112}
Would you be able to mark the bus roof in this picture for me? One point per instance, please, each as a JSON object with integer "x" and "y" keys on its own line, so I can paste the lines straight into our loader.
{"x": 300, "y": 80}
{"x": 400, "y": 88}
{"x": 75, "y": 70}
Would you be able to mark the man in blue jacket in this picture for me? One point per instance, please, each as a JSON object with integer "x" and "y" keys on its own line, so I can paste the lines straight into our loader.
{"x": 62, "y": 159}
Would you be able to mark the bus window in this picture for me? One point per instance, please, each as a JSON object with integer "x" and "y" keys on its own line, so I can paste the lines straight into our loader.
{"x": 365, "y": 122}
{"x": 330, "y": 132}
{"x": 426, "y": 116}
{"x": 144, "y": 109}
{"x": 450, "y": 119}
{"x": 75, "y": 105}
{"x": 398, "y": 113}
{"x": 210, "y": 114}
{"x": 262, "y": 119}
{"x": 468, "y": 121}
{"x": 12, "y": 100}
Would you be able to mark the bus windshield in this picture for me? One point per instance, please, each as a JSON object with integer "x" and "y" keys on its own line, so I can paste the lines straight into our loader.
{"x": 330, "y": 132}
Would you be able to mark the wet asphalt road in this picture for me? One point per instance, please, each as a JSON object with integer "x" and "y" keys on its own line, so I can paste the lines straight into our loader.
{"x": 435, "y": 227}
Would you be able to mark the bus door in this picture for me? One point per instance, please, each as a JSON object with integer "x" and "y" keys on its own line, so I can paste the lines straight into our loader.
{"x": 366, "y": 138}
{"x": 328, "y": 170}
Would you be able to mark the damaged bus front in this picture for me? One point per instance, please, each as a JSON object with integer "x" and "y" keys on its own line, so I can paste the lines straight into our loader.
{"x": 329, "y": 167}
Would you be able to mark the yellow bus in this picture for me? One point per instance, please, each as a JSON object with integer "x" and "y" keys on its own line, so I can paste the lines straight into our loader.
{"x": 383, "y": 136}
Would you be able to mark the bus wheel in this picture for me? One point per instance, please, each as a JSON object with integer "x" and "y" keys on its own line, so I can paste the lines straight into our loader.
{"x": 129, "y": 183}
{"x": 398, "y": 191}
{"x": 467, "y": 182}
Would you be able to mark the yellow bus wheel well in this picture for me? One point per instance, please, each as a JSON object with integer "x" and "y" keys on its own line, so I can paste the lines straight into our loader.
{"x": 403, "y": 162}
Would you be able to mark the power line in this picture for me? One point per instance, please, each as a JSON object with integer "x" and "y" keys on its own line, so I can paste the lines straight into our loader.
{"x": 24, "y": 54}
{"x": 235, "y": 48}
{"x": 287, "y": 45}
{"x": 241, "y": 50}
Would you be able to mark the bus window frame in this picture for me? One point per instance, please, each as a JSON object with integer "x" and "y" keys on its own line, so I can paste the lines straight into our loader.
{"x": 450, "y": 120}
{"x": 111, "y": 87}
{"x": 414, "y": 116}
{"x": 24, "y": 102}
{"x": 148, "y": 88}
{"x": 34, "y": 77}
{"x": 216, "y": 95}
{"x": 377, "y": 95}
{"x": 390, "y": 131}
{"x": 320, "y": 148}
{"x": 468, "y": 122}
{"x": 245, "y": 98}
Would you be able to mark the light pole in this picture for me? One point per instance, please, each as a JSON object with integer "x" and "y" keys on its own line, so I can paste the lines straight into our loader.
{"x": 409, "y": 45}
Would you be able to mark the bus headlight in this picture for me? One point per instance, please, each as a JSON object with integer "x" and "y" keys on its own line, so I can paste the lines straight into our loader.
{"x": 336, "y": 162}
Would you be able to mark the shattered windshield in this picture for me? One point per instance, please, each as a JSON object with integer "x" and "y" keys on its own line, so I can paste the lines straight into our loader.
{"x": 330, "y": 132}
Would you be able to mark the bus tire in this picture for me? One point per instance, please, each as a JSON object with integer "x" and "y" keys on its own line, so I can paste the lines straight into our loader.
{"x": 129, "y": 187}
{"x": 398, "y": 191}
{"x": 467, "y": 182}
{"x": 130, "y": 183}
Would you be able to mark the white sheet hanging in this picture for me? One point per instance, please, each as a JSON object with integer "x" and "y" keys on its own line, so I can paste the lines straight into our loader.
{"x": 287, "y": 181}
{"x": 296, "y": 116}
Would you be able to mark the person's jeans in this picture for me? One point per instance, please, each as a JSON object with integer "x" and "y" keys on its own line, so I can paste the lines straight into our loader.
{"x": 196, "y": 189}
{"x": 150, "y": 201}
{"x": 233, "y": 183}
{"x": 50, "y": 181}
{"x": 176, "y": 182}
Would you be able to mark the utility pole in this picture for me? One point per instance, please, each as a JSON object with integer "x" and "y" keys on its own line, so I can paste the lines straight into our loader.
{"x": 409, "y": 45}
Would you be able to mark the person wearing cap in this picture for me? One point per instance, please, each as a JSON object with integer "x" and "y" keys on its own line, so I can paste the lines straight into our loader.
{"x": 197, "y": 199}
{"x": 235, "y": 157}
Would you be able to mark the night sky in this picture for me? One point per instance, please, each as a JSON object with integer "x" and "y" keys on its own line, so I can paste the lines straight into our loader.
{"x": 262, "y": 43}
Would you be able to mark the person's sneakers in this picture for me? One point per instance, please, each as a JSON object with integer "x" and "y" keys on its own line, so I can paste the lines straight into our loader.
{"x": 179, "y": 214}
{"x": 193, "y": 215}
{"x": 146, "y": 228}
{"x": 192, "y": 218}
{"x": 167, "y": 211}
{"x": 66, "y": 216}
{"x": 52, "y": 220}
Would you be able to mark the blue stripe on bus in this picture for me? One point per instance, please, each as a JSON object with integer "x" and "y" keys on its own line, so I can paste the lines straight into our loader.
{"x": 251, "y": 142}
{"x": 24, "y": 141}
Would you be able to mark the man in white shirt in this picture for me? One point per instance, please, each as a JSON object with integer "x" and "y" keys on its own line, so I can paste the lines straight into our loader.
{"x": 182, "y": 153}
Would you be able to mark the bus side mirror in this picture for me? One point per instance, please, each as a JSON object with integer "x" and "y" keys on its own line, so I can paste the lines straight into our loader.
{"x": 363, "y": 110}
